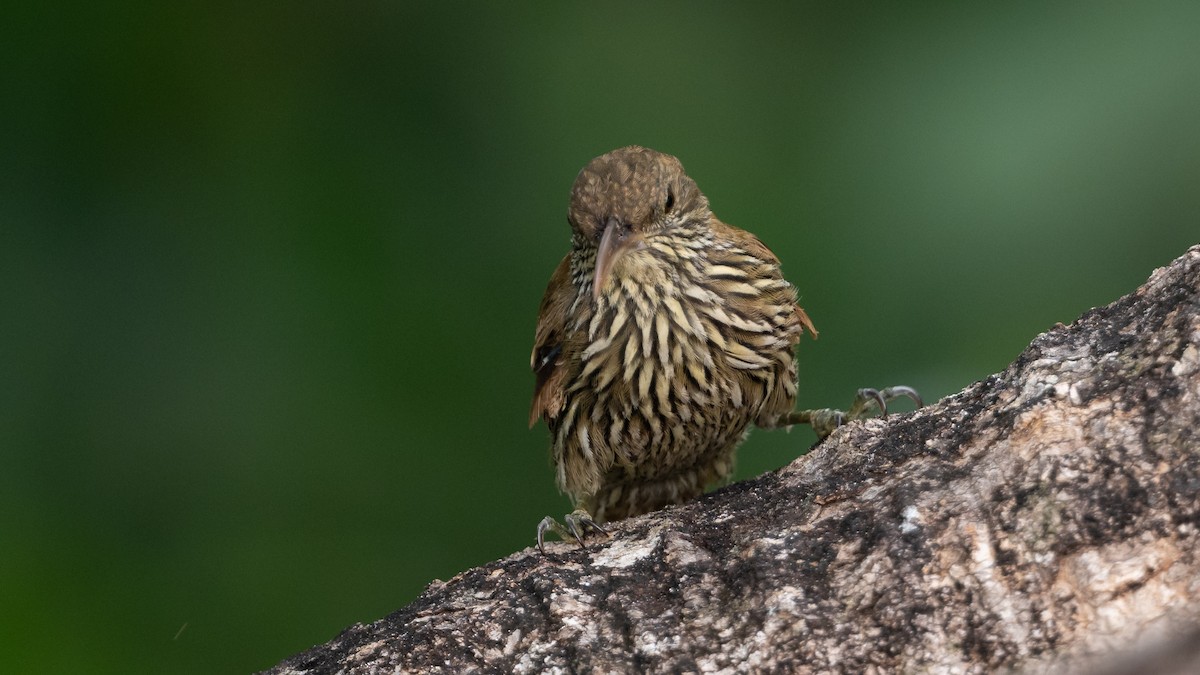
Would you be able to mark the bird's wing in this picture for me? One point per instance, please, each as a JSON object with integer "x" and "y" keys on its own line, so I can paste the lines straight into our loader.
{"x": 766, "y": 297}
{"x": 547, "y": 357}
{"x": 751, "y": 244}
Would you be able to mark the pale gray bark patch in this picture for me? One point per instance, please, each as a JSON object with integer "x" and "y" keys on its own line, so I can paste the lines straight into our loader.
{"x": 1041, "y": 520}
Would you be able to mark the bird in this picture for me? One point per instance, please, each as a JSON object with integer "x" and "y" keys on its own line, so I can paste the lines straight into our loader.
{"x": 663, "y": 335}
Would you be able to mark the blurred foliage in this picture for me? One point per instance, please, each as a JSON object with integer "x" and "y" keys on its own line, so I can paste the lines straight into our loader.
{"x": 270, "y": 272}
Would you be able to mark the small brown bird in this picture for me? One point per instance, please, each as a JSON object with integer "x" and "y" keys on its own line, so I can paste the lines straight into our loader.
{"x": 662, "y": 336}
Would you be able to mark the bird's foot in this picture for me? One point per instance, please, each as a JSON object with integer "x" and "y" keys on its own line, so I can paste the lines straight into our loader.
{"x": 578, "y": 522}
{"x": 825, "y": 420}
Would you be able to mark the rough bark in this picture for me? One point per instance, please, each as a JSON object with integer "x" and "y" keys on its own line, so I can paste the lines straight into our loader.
{"x": 1036, "y": 521}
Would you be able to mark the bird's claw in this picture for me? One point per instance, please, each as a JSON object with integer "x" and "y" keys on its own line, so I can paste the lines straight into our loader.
{"x": 864, "y": 399}
{"x": 826, "y": 420}
{"x": 899, "y": 390}
{"x": 578, "y": 522}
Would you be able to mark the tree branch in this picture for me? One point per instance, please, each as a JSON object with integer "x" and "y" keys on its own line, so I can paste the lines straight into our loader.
{"x": 1042, "y": 517}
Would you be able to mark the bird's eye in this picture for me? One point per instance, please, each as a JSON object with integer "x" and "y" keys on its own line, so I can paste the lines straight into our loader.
{"x": 670, "y": 200}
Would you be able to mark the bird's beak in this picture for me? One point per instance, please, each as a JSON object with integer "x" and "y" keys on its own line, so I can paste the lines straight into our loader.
{"x": 616, "y": 240}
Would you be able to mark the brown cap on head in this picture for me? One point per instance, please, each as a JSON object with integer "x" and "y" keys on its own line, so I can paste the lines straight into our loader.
{"x": 634, "y": 186}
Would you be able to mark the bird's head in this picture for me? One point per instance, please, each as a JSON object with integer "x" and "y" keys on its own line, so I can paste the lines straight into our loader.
{"x": 624, "y": 199}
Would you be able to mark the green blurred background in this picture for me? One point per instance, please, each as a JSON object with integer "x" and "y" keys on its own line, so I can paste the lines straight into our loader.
{"x": 270, "y": 274}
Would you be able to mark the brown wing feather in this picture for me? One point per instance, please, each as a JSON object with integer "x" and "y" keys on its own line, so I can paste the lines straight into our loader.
{"x": 756, "y": 248}
{"x": 546, "y": 359}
